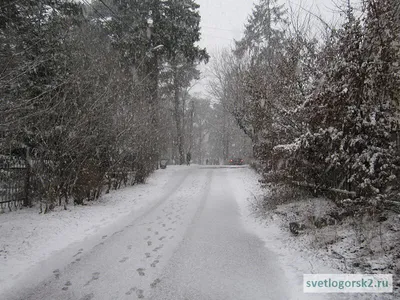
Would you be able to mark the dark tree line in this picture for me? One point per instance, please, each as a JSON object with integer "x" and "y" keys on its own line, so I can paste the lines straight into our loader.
{"x": 320, "y": 112}
{"x": 82, "y": 89}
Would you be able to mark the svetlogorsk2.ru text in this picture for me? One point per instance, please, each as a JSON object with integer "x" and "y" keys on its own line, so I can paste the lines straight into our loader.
{"x": 348, "y": 283}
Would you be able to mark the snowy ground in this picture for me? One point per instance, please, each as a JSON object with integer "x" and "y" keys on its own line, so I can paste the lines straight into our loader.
{"x": 275, "y": 238}
{"x": 330, "y": 250}
{"x": 189, "y": 233}
{"x": 178, "y": 237}
{"x": 189, "y": 244}
{"x": 27, "y": 237}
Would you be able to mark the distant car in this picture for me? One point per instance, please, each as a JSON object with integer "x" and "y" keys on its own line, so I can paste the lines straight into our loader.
{"x": 236, "y": 161}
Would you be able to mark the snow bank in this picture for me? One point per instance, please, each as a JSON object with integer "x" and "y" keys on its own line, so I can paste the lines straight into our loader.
{"x": 318, "y": 252}
{"x": 27, "y": 237}
{"x": 294, "y": 263}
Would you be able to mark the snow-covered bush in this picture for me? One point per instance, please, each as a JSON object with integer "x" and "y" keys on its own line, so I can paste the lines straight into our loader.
{"x": 324, "y": 114}
{"x": 351, "y": 143}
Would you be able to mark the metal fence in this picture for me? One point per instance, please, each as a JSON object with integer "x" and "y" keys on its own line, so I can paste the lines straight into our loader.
{"x": 22, "y": 182}
{"x": 14, "y": 181}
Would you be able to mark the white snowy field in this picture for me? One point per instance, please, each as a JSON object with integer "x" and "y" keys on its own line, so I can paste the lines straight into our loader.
{"x": 27, "y": 237}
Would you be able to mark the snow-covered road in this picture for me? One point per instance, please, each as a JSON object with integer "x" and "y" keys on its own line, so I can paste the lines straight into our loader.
{"x": 189, "y": 244}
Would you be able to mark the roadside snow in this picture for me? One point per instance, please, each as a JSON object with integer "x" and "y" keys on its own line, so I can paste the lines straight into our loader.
{"x": 294, "y": 264}
{"x": 298, "y": 255}
{"x": 27, "y": 237}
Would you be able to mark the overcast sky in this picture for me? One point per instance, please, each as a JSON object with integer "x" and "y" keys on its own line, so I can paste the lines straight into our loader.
{"x": 223, "y": 20}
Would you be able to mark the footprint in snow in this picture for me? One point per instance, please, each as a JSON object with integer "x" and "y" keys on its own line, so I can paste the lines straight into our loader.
{"x": 154, "y": 283}
{"x": 158, "y": 248}
{"x": 95, "y": 276}
{"x": 88, "y": 297}
{"x": 154, "y": 263}
{"x": 130, "y": 291}
{"x": 139, "y": 294}
{"x": 141, "y": 271}
{"x": 124, "y": 259}
{"x": 78, "y": 253}
{"x": 66, "y": 285}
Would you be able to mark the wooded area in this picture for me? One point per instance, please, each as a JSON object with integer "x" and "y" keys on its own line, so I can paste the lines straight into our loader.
{"x": 90, "y": 90}
{"x": 94, "y": 94}
{"x": 321, "y": 108}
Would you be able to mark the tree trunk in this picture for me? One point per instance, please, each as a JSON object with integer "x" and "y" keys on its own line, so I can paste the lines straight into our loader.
{"x": 225, "y": 139}
{"x": 153, "y": 75}
{"x": 178, "y": 116}
{"x": 191, "y": 127}
{"x": 27, "y": 199}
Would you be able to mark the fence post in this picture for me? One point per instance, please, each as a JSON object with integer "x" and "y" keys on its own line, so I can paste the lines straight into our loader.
{"x": 27, "y": 199}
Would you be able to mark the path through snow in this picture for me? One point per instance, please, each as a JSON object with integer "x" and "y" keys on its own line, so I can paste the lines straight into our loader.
{"x": 188, "y": 234}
